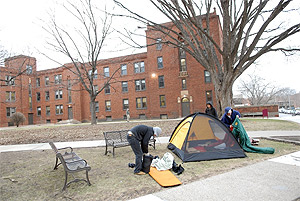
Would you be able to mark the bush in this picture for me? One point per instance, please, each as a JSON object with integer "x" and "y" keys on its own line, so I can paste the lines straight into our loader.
{"x": 17, "y": 118}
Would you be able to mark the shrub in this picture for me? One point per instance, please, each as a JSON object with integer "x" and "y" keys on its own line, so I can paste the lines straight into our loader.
{"x": 17, "y": 118}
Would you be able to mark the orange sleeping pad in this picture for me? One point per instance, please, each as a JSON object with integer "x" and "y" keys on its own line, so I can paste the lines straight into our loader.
{"x": 165, "y": 178}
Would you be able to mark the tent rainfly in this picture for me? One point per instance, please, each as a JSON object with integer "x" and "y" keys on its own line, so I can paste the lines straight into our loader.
{"x": 201, "y": 137}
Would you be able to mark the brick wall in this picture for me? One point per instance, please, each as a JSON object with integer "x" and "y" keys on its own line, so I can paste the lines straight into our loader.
{"x": 257, "y": 110}
{"x": 172, "y": 90}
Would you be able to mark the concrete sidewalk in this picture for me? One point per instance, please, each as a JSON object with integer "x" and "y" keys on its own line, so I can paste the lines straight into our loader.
{"x": 75, "y": 144}
{"x": 99, "y": 143}
{"x": 277, "y": 179}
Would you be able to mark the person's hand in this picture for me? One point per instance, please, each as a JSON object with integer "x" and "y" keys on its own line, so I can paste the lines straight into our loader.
{"x": 237, "y": 116}
{"x": 147, "y": 154}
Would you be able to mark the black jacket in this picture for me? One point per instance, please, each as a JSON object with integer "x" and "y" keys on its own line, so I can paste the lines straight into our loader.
{"x": 143, "y": 134}
{"x": 211, "y": 111}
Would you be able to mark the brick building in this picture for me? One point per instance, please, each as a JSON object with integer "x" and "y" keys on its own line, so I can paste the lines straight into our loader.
{"x": 163, "y": 82}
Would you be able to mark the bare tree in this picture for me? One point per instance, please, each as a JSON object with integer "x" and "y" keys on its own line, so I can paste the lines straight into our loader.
{"x": 3, "y": 55}
{"x": 249, "y": 30}
{"x": 83, "y": 44}
{"x": 258, "y": 91}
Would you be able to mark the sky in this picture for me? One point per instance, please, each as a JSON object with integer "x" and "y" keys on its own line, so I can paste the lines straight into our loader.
{"x": 21, "y": 32}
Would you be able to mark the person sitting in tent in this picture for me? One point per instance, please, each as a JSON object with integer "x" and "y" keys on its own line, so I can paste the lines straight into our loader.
{"x": 138, "y": 138}
{"x": 211, "y": 110}
{"x": 229, "y": 117}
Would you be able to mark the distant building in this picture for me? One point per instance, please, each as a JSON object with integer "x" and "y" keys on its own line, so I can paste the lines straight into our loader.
{"x": 163, "y": 82}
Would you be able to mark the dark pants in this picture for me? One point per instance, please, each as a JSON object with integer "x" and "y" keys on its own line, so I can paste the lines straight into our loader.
{"x": 136, "y": 148}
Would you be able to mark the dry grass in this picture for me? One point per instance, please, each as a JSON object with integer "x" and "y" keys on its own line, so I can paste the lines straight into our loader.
{"x": 252, "y": 124}
{"x": 28, "y": 175}
{"x": 61, "y": 133}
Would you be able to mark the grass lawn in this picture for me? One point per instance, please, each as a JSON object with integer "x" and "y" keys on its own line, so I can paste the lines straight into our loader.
{"x": 256, "y": 124}
{"x": 29, "y": 175}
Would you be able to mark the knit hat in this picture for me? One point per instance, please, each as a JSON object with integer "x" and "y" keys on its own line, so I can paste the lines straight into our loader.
{"x": 157, "y": 131}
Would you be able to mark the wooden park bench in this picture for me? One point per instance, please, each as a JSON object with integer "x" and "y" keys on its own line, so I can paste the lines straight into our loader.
{"x": 118, "y": 139}
{"x": 71, "y": 162}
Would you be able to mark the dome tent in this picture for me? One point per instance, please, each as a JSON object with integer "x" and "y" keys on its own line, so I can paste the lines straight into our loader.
{"x": 201, "y": 137}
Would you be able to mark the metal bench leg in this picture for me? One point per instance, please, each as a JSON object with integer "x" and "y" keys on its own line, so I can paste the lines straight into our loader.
{"x": 87, "y": 178}
{"x": 56, "y": 164}
{"x": 66, "y": 179}
{"x": 106, "y": 150}
{"x": 113, "y": 151}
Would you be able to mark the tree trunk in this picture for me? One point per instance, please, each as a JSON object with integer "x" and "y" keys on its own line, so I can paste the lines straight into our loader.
{"x": 223, "y": 96}
{"x": 93, "y": 110}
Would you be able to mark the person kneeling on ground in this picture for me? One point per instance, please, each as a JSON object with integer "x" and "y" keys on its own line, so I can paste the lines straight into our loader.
{"x": 138, "y": 138}
{"x": 228, "y": 118}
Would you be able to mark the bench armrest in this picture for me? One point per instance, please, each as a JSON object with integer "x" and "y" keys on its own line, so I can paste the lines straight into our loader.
{"x": 66, "y": 148}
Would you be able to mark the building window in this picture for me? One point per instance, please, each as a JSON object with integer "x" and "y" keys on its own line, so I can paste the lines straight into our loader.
{"x": 59, "y": 109}
{"x": 183, "y": 65}
{"x": 141, "y": 103}
{"x": 38, "y": 96}
{"x": 125, "y": 86}
{"x": 164, "y": 116}
{"x": 9, "y": 80}
{"x": 142, "y": 116}
{"x": 69, "y": 91}
{"x": 47, "y": 110}
{"x": 209, "y": 96}
{"x": 58, "y": 94}
{"x": 47, "y": 95}
{"x": 10, "y": 111}
{"x": 58, "y": 79}
{"x": 96, "y": 89}
{"x": 10, "y": 96}
{"x": 28, "y": 69}
{"x": 106, "y": 71}
{"x": 158, "y": 44}
{"x": 47, "y": 81}
{"x": 182, "y": 54}
{"x": 96, "y": 106}
{"x": 160, "y": 62}
{"x": 38, "y": 82}
{"x": 139, "y": 67}
{"x": 183, "y": 84}
{"x": 161, "y": 81}
{"x": 30, "y": 96}
{"x": 124, "y": 69}
{"x": 207, "y": 77}
{"x": 125, "y": 104}
{"x": 140, "y": 85}
{"x": 107, "y": 105}
{"x": 95, "y": 74}
{"x": 162, "y": 100}
{"x": 38, "y": 111}
{"x": 107, "y": 89}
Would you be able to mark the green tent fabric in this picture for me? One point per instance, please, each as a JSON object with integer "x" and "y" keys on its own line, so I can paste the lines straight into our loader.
{"x": 240, "y": 133}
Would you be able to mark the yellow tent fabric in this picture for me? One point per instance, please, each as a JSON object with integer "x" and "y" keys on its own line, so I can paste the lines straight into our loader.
{"x": 200, "y": 129}
{"x": 180, "y": 133}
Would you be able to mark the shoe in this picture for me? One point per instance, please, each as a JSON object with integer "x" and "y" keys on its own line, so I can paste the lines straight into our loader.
{"x": 140, "y": 173}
